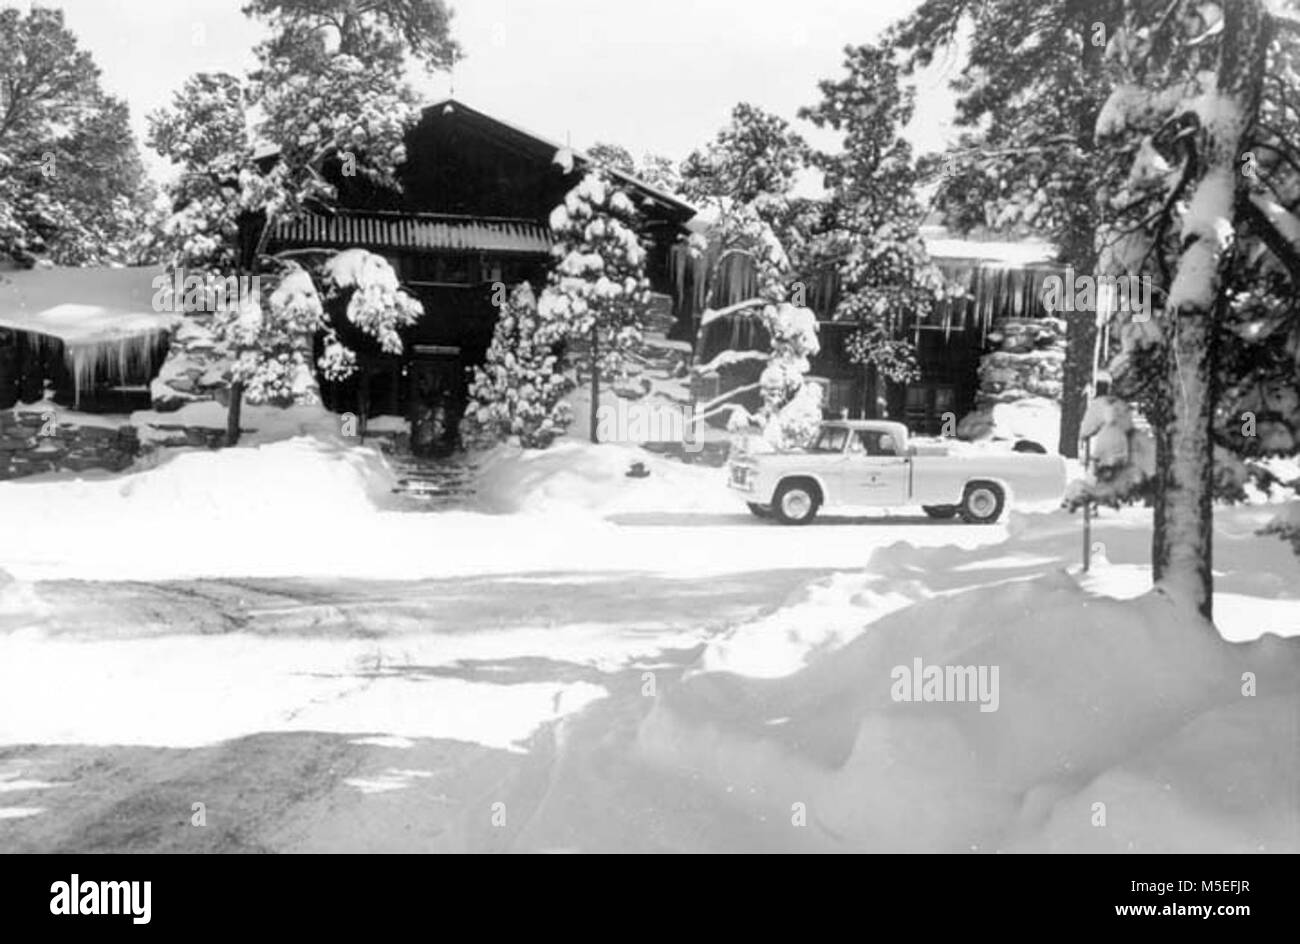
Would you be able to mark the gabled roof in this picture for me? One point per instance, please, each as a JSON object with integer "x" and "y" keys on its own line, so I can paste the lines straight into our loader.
{"x": 546, "y": 149}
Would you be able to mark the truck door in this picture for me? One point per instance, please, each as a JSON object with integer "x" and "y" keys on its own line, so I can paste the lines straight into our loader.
{"x": 875, "y": 473}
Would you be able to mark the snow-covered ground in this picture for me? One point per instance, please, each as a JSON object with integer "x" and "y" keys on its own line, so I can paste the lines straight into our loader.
{"x": 733, "y": 681}
{"x": 311, "y": 507}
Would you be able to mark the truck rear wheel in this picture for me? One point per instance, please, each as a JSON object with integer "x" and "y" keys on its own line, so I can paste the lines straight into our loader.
{"x": 982, "y": 503}
{"x": 796, "y": 502}
{"x": 940, "y": 511}
{"x": 760, "y": 511}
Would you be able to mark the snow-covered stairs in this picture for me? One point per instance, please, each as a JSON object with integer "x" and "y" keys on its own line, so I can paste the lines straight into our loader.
{"x": 433, "y": 483}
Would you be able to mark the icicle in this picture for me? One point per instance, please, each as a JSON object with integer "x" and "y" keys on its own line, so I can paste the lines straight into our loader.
{"x": 117, "y": 360}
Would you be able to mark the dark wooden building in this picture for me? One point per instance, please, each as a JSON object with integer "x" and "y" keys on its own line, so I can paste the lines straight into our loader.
{"x": 476, "y": 195}
{"x": 998, "y": 282}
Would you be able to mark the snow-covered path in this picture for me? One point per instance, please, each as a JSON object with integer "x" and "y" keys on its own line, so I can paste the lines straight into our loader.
{"x": 122, "y": 704}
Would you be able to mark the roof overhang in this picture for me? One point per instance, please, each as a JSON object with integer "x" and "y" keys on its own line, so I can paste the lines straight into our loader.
{"x": 420, "y": 232}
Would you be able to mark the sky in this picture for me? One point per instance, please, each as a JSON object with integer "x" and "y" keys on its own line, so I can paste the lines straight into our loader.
{"x": 656, "y": 77}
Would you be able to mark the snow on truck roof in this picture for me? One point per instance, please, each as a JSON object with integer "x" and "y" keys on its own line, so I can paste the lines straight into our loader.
{"x": 863, "y": 424}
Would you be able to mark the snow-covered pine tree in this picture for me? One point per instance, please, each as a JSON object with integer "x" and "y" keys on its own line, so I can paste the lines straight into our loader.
{"x": 791, "y": 409}
{"x": 519, "y": 390}
{"x": 753, "y": 161}
{"x": 743, "y": 183}
{"x": 868, "y": 227}
{"x": 597, "y": 294}
{"x": 1028, "y": 162}
{"x": 1186, "y": 106}
{"x": 72, "y": 187}
{"x": 330, "y": 87}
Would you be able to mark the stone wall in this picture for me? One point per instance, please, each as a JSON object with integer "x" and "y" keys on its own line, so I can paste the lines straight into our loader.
{"x": 1020, "y": 383}
{"x": 33, "y": 441}
{"x": 193, "y": 369}
{"x": 1027, "y": 360}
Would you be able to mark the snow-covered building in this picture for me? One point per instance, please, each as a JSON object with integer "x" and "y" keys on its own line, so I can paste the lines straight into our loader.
{"x": 92, "y": 335}
{"x": 996, "y": 343}
{"x": 472, "y": 213}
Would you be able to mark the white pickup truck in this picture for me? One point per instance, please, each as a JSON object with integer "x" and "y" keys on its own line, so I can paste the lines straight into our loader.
{"x": 870, "y": 463}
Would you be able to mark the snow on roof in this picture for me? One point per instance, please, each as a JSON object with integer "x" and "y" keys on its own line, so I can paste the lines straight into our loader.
{"x": 105, "y": 318}
{"x": 1023, "y": 252}
{"x": 81, "y": 306}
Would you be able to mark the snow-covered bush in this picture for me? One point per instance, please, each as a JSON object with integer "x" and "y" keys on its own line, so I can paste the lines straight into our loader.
{"x": 270, "y": 342}
{"x": 1121, "y": 456}
{"x": 519, "y": 389}
{"x": 377, "y": 305}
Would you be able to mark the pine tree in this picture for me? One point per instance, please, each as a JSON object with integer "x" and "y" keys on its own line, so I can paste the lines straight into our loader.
{"x": 868, "y": 227}
{"x": 72, "y": 186}
{"x": 519, "y": 389}
{"x": 597, "y": 293}
{"x": 790, "y": 412}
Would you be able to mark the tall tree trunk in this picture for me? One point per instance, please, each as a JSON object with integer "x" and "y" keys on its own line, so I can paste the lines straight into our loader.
{"x": 1079, "y": 245}
{"x": 595, "y": 381}
{"x": 1186, "y": 521}
{"x": 1184, "y": 549}
{"x": 1160, "y": 415}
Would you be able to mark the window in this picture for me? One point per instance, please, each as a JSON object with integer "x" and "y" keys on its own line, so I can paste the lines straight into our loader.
{"x": 875, "y": 442}
{"x": 927, "y": 404}
{"x": 831, "y": 439}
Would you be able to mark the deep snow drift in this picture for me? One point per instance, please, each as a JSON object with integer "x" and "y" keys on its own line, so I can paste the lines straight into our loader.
{"x": 1118, "y": 724}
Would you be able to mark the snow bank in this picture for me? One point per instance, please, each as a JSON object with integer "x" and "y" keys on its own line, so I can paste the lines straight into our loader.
{"x": 576, "y": 477}
{"x": 824, "y": 617}
{"x": 1116, "y": 724}
{"x": 200, "y": 512}
{"x": 259, "y": 423}
{"x": 1100, "y": 701}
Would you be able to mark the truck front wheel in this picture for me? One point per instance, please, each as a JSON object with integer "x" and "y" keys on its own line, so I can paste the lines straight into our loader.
{"x": 796, "y": 502}
{"x": 982, "y": 503}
